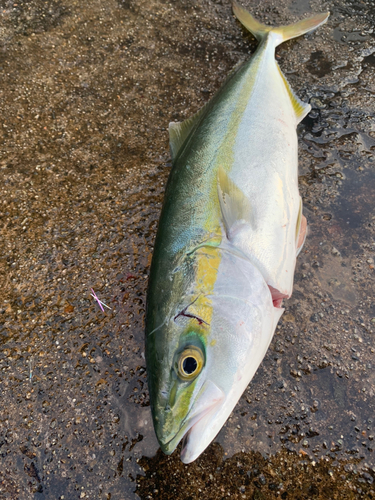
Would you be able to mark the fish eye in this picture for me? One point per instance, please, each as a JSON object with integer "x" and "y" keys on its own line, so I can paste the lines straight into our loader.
{"x": 190, "y": 363}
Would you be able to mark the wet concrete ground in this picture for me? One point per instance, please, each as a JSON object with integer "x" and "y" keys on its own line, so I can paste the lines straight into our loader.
{"x": 87, "y": 91}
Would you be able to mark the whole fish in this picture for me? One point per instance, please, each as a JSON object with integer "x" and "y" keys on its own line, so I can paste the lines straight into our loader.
{"x": 225, "y": 252}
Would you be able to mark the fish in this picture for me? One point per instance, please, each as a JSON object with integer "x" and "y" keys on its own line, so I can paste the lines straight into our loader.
{"x": 229, "y": 233}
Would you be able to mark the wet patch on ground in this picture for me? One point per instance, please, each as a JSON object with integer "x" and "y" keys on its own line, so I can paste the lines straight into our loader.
{"x": 252, "y": 476}
{"x": 87, "y": 94}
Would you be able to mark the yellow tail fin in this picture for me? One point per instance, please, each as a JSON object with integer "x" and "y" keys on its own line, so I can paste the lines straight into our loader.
{"x": 282, "y": 33}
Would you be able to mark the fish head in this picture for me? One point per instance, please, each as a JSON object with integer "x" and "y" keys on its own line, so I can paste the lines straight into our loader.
{"x": 185, "y": 393}
{"x": 217, "y": 340}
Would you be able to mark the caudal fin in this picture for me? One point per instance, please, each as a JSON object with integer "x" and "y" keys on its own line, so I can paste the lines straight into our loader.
{"x": 281, "y": 33}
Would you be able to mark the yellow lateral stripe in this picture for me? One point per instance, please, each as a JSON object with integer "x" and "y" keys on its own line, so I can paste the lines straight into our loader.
{"x": 207, "y": 261}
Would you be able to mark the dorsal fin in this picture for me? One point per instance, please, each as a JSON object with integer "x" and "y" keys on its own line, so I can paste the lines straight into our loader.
{"x": 179, "y": 131}
{"x": 301, "y": 109}
{"x": 235, "y": 206}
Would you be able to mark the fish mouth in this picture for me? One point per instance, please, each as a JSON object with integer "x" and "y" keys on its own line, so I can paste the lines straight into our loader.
{"x": 196, "y": 439}
{"x": 204, "y": 408}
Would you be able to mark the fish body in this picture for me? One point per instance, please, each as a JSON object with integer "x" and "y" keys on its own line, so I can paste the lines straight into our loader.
{"x": 225, "y": 252}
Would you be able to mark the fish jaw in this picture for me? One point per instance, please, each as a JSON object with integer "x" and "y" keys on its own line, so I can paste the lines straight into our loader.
{"x": 207, "y": 402}
{"x": 199, "y": 436}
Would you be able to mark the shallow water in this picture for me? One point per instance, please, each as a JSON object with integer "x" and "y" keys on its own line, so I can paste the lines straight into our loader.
{"x": 87, "y": 92}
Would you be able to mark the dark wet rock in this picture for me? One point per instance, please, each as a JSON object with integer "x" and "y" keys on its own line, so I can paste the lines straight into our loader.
{"x": 314, "y": 318}
{"x": 262, "y": 480}
{"x": 318, "y": 64}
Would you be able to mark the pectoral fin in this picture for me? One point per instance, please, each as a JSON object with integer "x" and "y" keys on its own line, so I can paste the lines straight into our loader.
{"x": 235, "y": 206}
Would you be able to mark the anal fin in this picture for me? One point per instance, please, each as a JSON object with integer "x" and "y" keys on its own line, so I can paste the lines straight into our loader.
{"x": 301, "y": 108}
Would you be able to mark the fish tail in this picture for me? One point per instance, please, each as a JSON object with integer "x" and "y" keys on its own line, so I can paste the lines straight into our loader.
{"x": 281, "y": 33}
